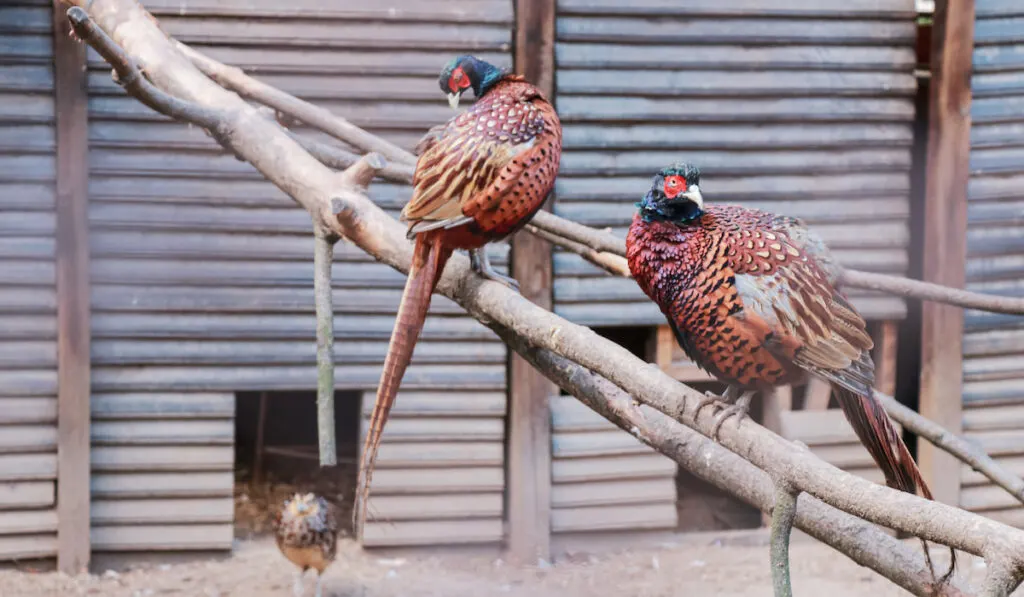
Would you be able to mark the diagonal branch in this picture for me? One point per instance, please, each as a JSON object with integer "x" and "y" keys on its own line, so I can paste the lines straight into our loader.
{"x": 313, "y": 186}
{"x": 864, "y": 543}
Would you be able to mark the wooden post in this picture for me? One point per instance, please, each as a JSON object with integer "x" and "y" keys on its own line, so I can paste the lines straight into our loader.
{"x": 73, "y": 330}
{"x": 529, "y": 425}
{"x": 945, "y": 235}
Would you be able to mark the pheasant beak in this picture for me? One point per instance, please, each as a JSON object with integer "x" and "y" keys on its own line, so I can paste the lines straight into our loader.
{"x": 693, "y": 194}
{"x": 453, "y": 100}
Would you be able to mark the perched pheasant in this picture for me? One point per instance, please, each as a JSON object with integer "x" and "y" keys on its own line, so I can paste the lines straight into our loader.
{"x": 306, "y": 530}
{"x": 479, "y": 178}
{"x": 752, "y": 299}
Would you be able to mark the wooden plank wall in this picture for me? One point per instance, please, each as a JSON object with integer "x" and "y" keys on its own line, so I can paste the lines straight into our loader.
{"x": 993, "y": 345}
{"x": 440, "y": 476}
{"x": 603, "y": 479}
{"x": 28, "y": 323}
{"x": 202, "y": 271}
{"x": 798, "y": 107}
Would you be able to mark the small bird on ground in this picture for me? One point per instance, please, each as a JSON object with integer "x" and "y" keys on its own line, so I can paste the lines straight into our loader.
{"x": 752, "y": 299}
{"x": 479, "y": 178}
{"x": 306, "y": 531}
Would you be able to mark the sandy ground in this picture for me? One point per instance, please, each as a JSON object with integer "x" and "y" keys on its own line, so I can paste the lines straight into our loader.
{"x": 692, "y": 566}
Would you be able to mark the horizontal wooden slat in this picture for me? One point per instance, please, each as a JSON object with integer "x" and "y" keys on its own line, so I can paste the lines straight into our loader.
{"x": 605, "y": 518}
{"x": 27, "y": 438}
{"x": 24, "y": 522}
{"x": 456, "y": 506}
{"x": 438, "y": 480}
{"x": 986, "y": 497}
{"x": 419, "y": 429}
{"x": 28, "y": 467}
{"x": 437, "y": 454}
{"x": 29, "y": 494}
{"x": 595, "y": 443}
{"x": 899, "y": 9}
{"x": 441, "y": 532}
{"x": 156, "y": 405}
{"x": 432, "y": 404}
{"x": 162, "y": 485}
{"x": 606, "y": 493}
{"x": 28, "y": 410}
{"x": 162, "y": 537}
{"x": 161, "y": 511}
{"x": 28, "y": 382}
{"x": 728, "y": 57}
{"x": 636, "y": 466}
{"x": 258, "y": 327}
{"x": 257, "y": 378}
{"x": 23, "y": 547}
{"x": 164, "y": 431}
{"x": 162, "y": 458}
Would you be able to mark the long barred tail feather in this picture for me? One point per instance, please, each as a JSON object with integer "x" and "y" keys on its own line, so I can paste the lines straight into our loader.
{"x": 879, "y": 435}
{"x": 429, "y": 258}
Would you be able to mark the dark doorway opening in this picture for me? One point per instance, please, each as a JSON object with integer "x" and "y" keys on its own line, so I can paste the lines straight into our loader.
{"x": 276, "y": 456}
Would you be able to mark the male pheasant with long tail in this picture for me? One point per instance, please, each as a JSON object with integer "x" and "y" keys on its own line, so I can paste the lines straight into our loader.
{"x": 752, "y": 299}
{"x": 479, "y": 178}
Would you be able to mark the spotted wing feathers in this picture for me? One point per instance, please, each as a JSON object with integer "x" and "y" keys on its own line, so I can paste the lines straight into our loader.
{"x": 468, "y": 165}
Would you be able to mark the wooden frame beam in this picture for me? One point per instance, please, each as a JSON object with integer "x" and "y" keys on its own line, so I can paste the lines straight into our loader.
{"x": 529, "y": 416}
{"x": 73, "y": 329}
{"x": 945, "y": 235}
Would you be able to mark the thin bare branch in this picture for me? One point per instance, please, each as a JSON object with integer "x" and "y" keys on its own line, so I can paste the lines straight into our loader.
{"x": 927, "y": 291}
{"x": 613, "y": 264}
{"x": 233, "y": 78}
{"x": 323, "y": 259}
{"x": 864, "y": 543}
{"x": 128, "y": 75}
{"x": 954, "y": 444}
{"x": 340, "y": 159}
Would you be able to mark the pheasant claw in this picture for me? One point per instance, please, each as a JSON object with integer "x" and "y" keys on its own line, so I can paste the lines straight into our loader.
{"x": 738, "y": 410}
{"x": 481, "y": 264}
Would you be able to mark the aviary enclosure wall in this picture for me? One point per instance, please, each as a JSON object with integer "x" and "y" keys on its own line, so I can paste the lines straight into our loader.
{"x": 201, "y": 272}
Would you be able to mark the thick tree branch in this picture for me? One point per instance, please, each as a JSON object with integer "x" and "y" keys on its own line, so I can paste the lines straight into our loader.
{"x": 864, "y": 543}
{"x": 285, "y": 164}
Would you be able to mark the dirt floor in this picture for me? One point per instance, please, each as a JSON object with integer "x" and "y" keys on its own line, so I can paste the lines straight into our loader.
{"x": 693, "y": 565}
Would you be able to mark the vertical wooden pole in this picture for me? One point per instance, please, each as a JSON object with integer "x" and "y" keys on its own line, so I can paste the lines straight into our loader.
{"x": 945, "y": 235}
{"x": 73, "y": 330}
{"x": 529, "y": 426}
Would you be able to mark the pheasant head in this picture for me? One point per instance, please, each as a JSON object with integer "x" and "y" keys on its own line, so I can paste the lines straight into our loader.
{"x": 674, "y": 195}
{"x": 467, "y": 72}
{"x": 302, "y": 506}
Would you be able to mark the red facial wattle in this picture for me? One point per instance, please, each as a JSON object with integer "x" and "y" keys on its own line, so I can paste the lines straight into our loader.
{"x": 674, "y": 185}
{"x": 458, "y": 80}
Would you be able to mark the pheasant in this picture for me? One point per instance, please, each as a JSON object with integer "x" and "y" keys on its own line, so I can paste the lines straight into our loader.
{"x": 751, "y": 298}
{"x": 306, "y": 531}
{"x": 479, "y": 178}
